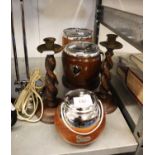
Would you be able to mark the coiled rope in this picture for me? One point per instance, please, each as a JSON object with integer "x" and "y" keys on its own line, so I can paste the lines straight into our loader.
{"x": 29, "y": 99}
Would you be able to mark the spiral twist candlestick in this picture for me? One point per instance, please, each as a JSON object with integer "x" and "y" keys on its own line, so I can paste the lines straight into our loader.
{"x": 50, "y": 91}
{"x": 105, "y": 70}
{"x": 107, "y": 64}
{"x": 50, "y": 82}
{"x": 105, "y": 93}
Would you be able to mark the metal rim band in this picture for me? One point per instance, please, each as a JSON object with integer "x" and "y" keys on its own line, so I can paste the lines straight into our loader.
{"x": 86, "y": 36}
{"x": 76, "y": 54}
{"x": 87, "y": 133}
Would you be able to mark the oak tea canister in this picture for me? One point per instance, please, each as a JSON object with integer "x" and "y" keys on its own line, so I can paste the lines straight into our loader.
{"x": 81, "y": 65}
{"x": 80, "y": 118}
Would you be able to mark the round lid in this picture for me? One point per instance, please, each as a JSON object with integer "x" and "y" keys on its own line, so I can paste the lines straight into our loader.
{"x": 81, "y": 108}
{"x": 77, "y": 33}
{"x": 82, "y": 49}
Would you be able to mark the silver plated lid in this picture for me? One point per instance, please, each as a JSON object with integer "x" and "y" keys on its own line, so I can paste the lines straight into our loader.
{"x": 82, "y": 49}
{"x": 77, "y": 33}
{"x": 81, "y": 109}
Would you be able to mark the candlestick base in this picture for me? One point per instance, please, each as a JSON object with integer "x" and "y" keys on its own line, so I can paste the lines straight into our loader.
{"x": 107, "y": 101}
{"x": 49, "y": 112}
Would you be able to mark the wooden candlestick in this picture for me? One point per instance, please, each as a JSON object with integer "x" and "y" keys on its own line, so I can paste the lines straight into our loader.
{"x": 105, "y": 94}
{"x": 50, "y": 82}
{"x": 50, "y": 98}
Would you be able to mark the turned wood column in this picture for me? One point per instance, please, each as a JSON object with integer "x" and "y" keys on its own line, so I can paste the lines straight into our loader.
{"x": 50, "y": 92}
{"x": 105, "y": 94}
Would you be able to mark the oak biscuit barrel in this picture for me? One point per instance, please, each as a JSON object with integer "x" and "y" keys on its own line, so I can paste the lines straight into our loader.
{"x": 81, "y": 65}
{"x": 76, "y": 34}
{"x": 80, "y": 118}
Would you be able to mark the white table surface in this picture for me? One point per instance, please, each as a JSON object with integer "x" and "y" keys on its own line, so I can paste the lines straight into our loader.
{"x": 43, "y": 139}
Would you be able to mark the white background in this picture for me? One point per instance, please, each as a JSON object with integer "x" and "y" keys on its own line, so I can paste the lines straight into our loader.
{"x": 5, "y": 77}
{"x": 48, "y": 18}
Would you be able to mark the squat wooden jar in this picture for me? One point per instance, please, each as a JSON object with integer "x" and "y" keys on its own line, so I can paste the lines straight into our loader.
{"x": 80, "y": 118}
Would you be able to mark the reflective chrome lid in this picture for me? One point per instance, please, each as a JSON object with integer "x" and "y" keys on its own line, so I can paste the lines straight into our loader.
{"x": 82, "y": 49}
{"x": 81, "y": 109}
{"x": 77, "y": 33}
